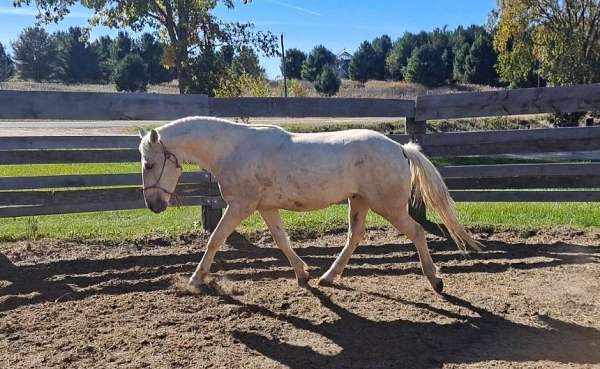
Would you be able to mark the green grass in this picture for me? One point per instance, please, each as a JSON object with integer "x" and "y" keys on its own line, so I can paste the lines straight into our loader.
{"x": 80, "y": 169}
{"x": 131, "y": 224}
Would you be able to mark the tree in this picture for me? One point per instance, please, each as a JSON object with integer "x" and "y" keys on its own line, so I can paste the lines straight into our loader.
{"x": 151, "y": 51}
{"x": 460, "y": 60}
{"x": 318, "y": 58}
{"x": 130, "y": 74}
{"x": 426, "y": 66}
{"x": 440, "y": 40}
{"x": 76, "y": 60}
{"x": 480, "y": 63}
{"x": 245, "y": 61}
{"x": 292, "y": 65}
{"x": 364, "y": 63}
{"x": 562, "y": 37}
{"x": 122, "y": 46}
{"x": 382, "y": 46}
{"x": 189, "y": 25}
{"x": 103, "y": 47}
{"x": 226, "y": 54}
{"x": 400, "y": 53}
{"x": 34, "y": 53}
{"x": 328, "y": 82}
{"x": 7, "y": 68}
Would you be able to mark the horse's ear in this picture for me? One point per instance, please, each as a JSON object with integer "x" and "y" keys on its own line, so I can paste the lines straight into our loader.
{"x": 142, "y": 132}
{"x": 153, "y": 136}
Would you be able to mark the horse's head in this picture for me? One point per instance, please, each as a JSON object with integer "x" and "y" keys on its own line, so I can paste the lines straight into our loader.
{"x": 160, "y": 171}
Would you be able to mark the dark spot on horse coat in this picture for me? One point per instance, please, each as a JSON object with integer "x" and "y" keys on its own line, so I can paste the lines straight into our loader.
{"x": 265, "y": 181}
{"x": 359, "y": 163}
{"x": 298, "y": 204}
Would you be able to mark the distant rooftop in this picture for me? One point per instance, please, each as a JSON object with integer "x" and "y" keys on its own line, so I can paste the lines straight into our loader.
{"x": 344, "y": 55}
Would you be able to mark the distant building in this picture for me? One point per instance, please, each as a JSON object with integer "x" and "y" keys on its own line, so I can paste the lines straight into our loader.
{"x": 343, "y": 61}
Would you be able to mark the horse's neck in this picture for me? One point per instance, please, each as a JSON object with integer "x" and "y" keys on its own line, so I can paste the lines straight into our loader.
{"x": 203, "y": 142}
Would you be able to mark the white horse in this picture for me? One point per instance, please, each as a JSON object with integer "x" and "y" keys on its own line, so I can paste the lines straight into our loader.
{"x": 265, "y": 168}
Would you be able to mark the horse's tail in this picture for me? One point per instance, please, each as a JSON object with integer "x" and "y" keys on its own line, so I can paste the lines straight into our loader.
{"x": 427, "y": 184}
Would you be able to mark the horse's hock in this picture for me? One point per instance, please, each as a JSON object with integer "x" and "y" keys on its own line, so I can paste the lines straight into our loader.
{"x": 40, "y": 195}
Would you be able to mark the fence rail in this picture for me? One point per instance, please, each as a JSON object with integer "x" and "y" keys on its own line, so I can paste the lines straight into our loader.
{"x": 24, "y": 196}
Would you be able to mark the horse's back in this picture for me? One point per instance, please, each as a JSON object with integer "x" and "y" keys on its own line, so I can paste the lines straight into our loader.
{"x": 312, "y": 170}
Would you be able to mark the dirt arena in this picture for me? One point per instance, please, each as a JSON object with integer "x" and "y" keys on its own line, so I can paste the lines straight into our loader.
{"x": 529, "y": 300}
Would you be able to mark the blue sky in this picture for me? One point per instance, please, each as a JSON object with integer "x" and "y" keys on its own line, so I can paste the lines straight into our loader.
{"x": 337, "y": 24}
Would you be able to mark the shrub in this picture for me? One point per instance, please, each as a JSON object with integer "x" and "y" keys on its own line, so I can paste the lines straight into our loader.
{"x": 234, "y": 85}
{"x": 328, "y": 82}
{"x": 130, "y": 74}
{"x": 297, "y": 89}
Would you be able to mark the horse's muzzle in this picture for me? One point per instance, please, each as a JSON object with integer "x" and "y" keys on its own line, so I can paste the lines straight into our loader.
{"x": 157, "y": 207}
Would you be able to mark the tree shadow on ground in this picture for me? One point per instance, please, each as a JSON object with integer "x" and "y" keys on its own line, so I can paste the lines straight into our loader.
{"x": 470, "y": 338}
{"x": 76, "y": 279}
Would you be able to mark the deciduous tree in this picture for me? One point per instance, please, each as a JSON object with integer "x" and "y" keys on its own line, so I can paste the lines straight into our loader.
{"x": 562, "y": 37}
{"x": 189, "y": 26}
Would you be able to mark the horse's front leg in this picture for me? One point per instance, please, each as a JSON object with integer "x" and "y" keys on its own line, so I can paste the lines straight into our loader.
{"x": 232, "y": 217}
{"x": 273, "y": 220}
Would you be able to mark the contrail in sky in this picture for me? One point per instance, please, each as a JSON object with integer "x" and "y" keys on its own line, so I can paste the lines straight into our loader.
{"x": 300, "y": 9}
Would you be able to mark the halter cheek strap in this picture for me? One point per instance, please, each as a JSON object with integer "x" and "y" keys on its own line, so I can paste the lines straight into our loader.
{"x": 168, "y": 156}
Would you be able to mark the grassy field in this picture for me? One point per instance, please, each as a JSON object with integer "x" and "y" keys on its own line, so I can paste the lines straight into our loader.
{"x": 133, "y": 224}
{"x": 369, "y": 89}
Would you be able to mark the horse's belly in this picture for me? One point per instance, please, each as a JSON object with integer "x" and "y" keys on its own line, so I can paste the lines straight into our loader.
{"x": 304, "y": 198}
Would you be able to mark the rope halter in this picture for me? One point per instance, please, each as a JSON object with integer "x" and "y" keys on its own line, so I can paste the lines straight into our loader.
{"x": 172, "y": 158}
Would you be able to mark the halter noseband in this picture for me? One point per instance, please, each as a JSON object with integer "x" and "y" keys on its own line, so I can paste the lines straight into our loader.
{"x": 168, "y": 156}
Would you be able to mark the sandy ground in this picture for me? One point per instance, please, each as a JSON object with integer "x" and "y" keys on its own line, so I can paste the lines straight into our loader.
{"x": 529, "y": 300}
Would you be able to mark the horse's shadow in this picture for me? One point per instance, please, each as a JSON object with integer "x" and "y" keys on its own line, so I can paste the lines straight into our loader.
{"x": 475, "y": 336}
{"x": 470, "y": 338}
{"x": 77, "y": 279}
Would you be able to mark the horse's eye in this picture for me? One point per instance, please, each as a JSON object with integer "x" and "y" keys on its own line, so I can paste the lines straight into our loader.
{"x": 149, "y": 166}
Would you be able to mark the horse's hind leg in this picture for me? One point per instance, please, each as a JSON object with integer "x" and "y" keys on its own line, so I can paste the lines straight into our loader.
{"x": 414, "y": 231}
{"x": 275, "y": 225}
{"x": 357, "y": 214}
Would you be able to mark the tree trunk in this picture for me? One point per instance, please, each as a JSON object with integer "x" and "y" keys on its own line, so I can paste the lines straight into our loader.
{"x": 183, "y": 73}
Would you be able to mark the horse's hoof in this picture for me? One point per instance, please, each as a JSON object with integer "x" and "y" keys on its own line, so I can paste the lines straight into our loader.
{"x": 303, "y": 282}
{"x": 325, "y": 282}
{"x": 195, "y": 282}
{"x": 438, "y": 287}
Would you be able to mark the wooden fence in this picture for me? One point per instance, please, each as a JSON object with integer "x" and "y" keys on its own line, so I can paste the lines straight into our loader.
{"x": 26, "y": 196}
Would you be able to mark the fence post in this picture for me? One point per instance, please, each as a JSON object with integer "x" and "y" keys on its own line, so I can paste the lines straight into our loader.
{"x": 416, "y": 131}
{"x": 211, "y": 214}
